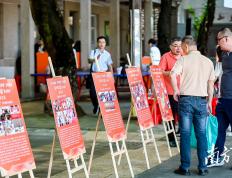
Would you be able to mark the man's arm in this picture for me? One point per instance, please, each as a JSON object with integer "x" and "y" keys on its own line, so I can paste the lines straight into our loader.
{"x": 111, "y": 68}
{"x": 176, "y": 70}
{"x": 175, "y": 86}
{"x": 163, "y": 65}
{"x": 210, "y": 94}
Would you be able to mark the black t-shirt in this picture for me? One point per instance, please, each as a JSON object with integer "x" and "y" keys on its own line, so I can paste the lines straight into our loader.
{"x": 226, "y": 81}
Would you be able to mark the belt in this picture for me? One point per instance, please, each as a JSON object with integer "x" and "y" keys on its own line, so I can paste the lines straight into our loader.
{"x": 202, "y": 97}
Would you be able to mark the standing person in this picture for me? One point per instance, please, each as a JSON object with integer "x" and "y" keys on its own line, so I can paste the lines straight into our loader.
{"x": 105, "y": 64}
{"x": 195, "y": 97}
{"x": 224, "y": 105}
{"x": 167, "y": 62}
{"x": 154, "y": 52}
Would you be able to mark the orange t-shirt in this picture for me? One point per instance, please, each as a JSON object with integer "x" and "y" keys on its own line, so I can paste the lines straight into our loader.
{"x": 167, "y": 62}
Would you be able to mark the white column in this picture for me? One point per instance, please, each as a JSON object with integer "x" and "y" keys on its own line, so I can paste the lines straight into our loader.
{"x": 27, "y": 49}
{"x": 85, "y": 31}
{"x": 115, "y": 31}
{"x": 148, "y": 23}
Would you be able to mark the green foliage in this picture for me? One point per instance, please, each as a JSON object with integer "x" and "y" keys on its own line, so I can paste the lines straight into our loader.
{"x": 197, "y": 21}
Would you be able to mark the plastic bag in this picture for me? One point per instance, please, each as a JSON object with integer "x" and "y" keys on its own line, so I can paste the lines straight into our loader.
{"x": 211, "y": 133}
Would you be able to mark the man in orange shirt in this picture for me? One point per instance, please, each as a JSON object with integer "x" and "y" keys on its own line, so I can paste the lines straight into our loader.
{"x": 167, "y": 62}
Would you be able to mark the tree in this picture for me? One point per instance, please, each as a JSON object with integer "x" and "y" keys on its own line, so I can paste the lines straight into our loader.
{"x": 204, "y": 29}
{"x": 202, "y": 24}
{"x": 164, "y": 25}
{"x": 50, "y": 24}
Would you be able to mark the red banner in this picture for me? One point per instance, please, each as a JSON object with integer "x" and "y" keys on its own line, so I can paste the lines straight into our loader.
{"x": 161, "y": 93}
{"x": 108, "y": 102}
{"x": 139, "y": 96}
{"x": 15, "y": 150}
{"x": 67, "y": 124}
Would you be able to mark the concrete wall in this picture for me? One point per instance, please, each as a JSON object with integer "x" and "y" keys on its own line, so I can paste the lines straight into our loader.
{"x": 9, "y": 33}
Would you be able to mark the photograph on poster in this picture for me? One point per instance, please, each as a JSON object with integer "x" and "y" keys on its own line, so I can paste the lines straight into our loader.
{"x": 139, "y": 95}
{"x": 108, "y": 98}
{"x": 10, "y": 120}
{"x": 64, "y": 111}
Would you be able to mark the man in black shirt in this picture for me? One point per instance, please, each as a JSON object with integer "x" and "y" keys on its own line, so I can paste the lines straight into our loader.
{"x": 224, "y": 106}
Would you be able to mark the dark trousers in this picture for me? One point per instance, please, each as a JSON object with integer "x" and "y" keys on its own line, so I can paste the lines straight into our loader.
{"x": 174, "y": 107}
{"x": 224, "y": 117}
{"x": 93, "y": 95}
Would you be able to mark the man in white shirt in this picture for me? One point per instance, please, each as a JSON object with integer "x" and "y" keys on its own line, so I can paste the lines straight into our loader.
{"x": 105, "y": 64}
{"x": 154, "y": 52}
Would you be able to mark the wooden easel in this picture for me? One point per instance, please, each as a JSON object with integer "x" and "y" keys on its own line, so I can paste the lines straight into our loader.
{"x": 147, "y": 135}
{"x": 168, "y": 129}
{"x": 112, "y": 145}
{"x": 76, "y": 167}
{"x": 20, "y": 174}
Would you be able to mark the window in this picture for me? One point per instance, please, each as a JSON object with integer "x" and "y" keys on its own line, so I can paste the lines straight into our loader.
{"x": 93, "y": 30}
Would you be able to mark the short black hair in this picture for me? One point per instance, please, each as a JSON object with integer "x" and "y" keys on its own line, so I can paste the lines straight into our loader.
{"x": 189, "y": 40}
{"x": 152, "y": 41}
{"x": 101, "y": 37}
{"x": 174, "y": 39}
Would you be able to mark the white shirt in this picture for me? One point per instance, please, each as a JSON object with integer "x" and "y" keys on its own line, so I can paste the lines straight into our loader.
{"x": 155, "y": 55}
{"x": 104, "y": 60}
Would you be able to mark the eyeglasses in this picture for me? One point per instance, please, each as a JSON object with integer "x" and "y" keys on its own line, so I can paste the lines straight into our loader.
{"x": 219, "y": 39}
{"x": 176, "y": 46}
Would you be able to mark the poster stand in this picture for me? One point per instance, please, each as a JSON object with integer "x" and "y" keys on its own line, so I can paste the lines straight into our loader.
{"x": 20, "y": 173}
{"x": 112, "y": 145}
{"x": 77, "y": 167}
{"x": 168, "y": 127}
{"x": 147, "y": 135}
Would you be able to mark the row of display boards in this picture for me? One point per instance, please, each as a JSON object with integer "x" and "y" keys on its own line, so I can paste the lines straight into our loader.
{"x": 16, "y": 155}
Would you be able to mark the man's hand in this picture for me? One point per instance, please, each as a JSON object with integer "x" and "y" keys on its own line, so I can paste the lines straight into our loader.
{"x": 176, "y": 95}
{"x": 209, "y": 107}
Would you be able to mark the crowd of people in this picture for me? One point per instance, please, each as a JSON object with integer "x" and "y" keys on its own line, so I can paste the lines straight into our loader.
{"x": 189, "y": 78}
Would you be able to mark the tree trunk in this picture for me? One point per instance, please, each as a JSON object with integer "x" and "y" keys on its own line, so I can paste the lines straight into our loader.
{"x": 204, "y": 29}
{"x": 164, "y": 25}
{"x": 50, "y": 24}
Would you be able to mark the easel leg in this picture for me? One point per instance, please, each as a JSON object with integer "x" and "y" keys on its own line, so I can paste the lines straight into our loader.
{"x": 113, "y": 159}
{"x": 127, "y": 127}
{"x": 31, "y": 174}
{"x": 145, "y": 149}
{"x": 68, "y": 168}
{"x": 177, "y": 144}
{"x": 166, "y": 134}
{"x": 52, "y": 155}
{"x": 155, "y": 145}
{"x": 85, "y": 169}
{"x": 94, "y": 142}
{"x": 128, "y": 158}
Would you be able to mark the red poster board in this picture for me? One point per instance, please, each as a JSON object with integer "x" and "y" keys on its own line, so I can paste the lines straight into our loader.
{"x": 108, "y": 102}
{"x": 139, "y": 96}
{"x": 161, "y": 93}
{"x": 67, "y": 124}
{"x": 15, "y": 150}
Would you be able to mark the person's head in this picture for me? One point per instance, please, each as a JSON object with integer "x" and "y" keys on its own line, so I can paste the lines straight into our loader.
{"x": 188, "y": 44}
{"x": 175, "y": 45}
{"x": 151, "y": 42}
{"x": 101, "y": 42}
{"x": 224, "y": 39}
